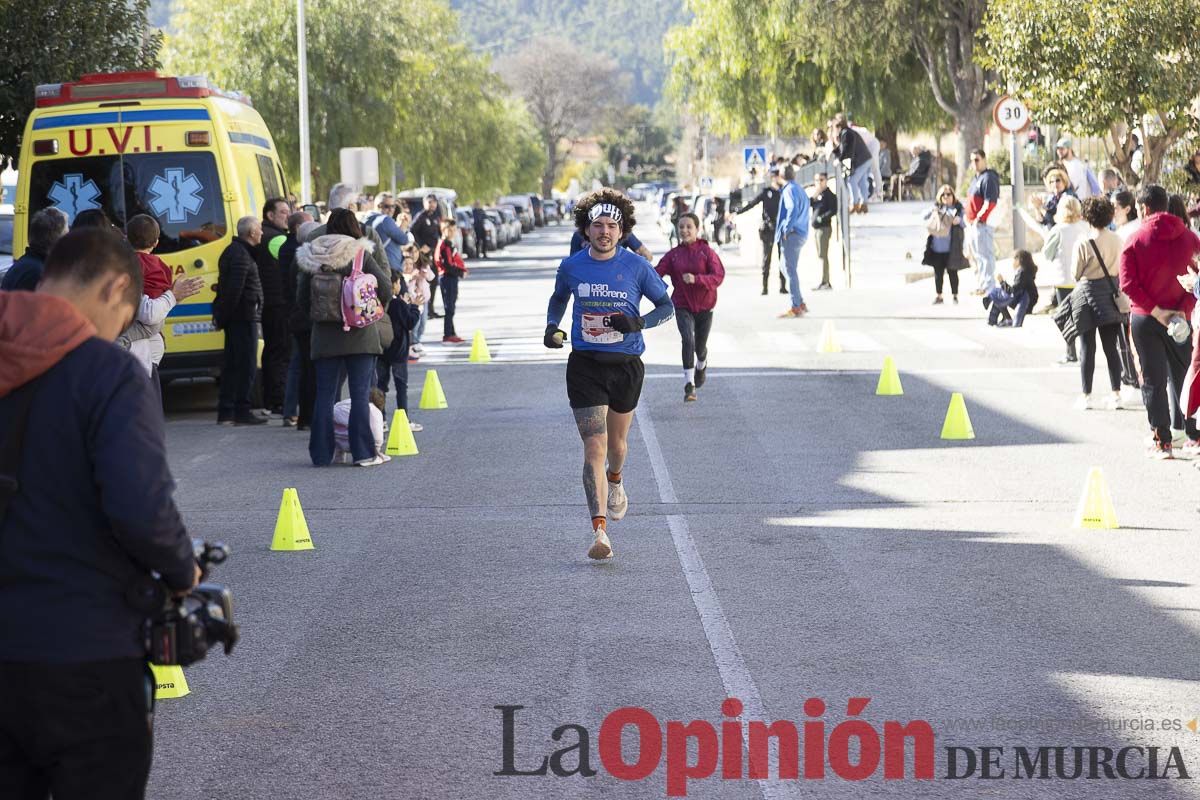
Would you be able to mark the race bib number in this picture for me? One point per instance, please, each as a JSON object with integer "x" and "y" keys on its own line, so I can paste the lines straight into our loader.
{"x": 597, "y": 330}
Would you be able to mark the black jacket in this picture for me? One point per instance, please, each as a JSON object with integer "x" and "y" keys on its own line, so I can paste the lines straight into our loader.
{"x": 94, "y": 515}
{"x": 239, "y": 293}
{"x": 426, "y": 229}
{"x": 404, "y": 317}
{"x": 1025, "y": 283}
{"x": 25, "y": 272}
{"x": 297, "y": 322}
{"x": 824, "y": 209}
{"x": 851, "y": 146}
{"x": 478, "y": 217}
{"x": 769, "y": 197}
{"x": 268, "y": 268}
{"x": 918, "y": 168}
{"x": 1094, "y": 305}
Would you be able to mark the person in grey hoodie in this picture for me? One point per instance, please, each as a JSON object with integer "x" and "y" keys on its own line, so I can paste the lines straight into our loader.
{"x": 334, "y": 348}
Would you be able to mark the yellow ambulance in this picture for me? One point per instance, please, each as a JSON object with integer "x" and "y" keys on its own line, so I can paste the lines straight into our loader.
{"x": 192, "y": 156}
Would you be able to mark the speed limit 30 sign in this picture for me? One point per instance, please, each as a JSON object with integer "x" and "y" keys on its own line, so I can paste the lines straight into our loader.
{"x": 1011, "y": 114}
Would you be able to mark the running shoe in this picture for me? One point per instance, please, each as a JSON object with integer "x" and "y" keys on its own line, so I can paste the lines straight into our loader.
{"x": 1190, "y": 449}
{"x": 618, "y": 501}
{"x": 416, "y": 427}
{"x": 1084, "y": 403}
{"x": 290, "y": 422}
{"x": 1162, "y": 452}
{"x": 601, "y": 549}
{"x": 453, "y": 339}
{"x": 689, "y": 393}
{"x": 701, "y": 375}
{"x": 1111, "y": 403}
{"x": 370, "y": 462}
{"x": 384, "y": 457}
{"x": 937, "y": 301}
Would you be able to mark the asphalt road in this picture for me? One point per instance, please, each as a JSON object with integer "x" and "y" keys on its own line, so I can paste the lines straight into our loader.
{"x": 790, "y": 536}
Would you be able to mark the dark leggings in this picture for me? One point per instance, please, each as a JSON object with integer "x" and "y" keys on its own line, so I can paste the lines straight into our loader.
{"x": 938, "y": 272}
{"x": 1164, "y": 363}
{"x": 693, "y": 330}
{"x": 1087, "y": 356}
{"x": 1060, "y": 295}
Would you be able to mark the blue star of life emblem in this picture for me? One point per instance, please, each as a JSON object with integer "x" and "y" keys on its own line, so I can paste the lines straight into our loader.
{"x": 72, "y": 195}
{"x": 175, "y": 195}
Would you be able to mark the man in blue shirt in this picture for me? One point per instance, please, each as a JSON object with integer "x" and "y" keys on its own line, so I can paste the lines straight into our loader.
{"x": 605, "y": 371}
{"x": 791, "y": 231}
{"x": 393, "y": 236}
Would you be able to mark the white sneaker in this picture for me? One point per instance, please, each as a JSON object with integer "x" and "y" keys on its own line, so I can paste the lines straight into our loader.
{"x": 618, "y": 501}
{"x": 1131, "y": 398}
{"x": 384, "y": 457}
{"x": 375, "y": 461}
{"x": 418, "y": 349}
{"x": 1112, "y": 402}
{"x": 601, "y": 549}
{"x": 1084, "y": 403}
{"x": 416, "y": 427}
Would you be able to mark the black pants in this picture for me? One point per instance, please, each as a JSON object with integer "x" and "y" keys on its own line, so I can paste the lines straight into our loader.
{"x": 237, "y": 373}
{"x": 277, "y": 349}
{"x": 77, "y": 731}
{"x": 308, "y": 378}
{"x": 1164, "y": 364}
{"x": 481, "y": 242}
{"x": 394, "y": 365}
{"x": 449, "y": 301}
{"x": 1061, "y": 294}
{"x": 433, "y": 287}
{"x": 693, "y": 330}
{"x": 767, "y": 235}
{"x": 939, "y": 272}
{"x": 1087, "y": 356}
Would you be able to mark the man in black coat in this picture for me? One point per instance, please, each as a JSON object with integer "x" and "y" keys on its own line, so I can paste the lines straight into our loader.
{"x": 46, "y": 228}
{"x": 237, "y": 309}
{"x": 427, "y": 230}
{"x": 769, "y": 199}
{"x": 824, "y": 209}
{"x": 276, "y": 340}
{"x": 478, "y": 217}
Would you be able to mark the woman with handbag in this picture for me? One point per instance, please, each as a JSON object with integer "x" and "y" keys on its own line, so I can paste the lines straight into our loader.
{"x": 451, "y": 268}
{"x": 944, "y": 245}
{"x": 1057, "y": 250}
{"x": 334, "y": 289}
{"x": 1098, "y": 305}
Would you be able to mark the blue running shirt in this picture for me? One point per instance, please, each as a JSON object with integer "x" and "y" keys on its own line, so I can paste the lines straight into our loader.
{"x": 602, "y": 288}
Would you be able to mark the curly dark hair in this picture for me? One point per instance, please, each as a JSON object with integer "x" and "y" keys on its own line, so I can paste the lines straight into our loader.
{"x": 1098, "y": 212}
{"x": 604, "y": 196}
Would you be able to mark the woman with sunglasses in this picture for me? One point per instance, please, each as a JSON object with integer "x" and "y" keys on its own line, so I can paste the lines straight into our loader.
{"x": 944, "y": 246}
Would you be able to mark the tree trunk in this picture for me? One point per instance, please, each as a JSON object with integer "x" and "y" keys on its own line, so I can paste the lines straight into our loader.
{"x": 1120, "y": 154}
{"x": 552, "y": 160}
{"x": 1157, "y": 148}
{"x": 970, "y": 137}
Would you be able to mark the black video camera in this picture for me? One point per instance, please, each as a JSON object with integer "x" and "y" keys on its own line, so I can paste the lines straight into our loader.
{"x": 182, "y": 629}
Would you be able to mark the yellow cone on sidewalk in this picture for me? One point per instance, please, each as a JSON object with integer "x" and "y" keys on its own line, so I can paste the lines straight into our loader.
{"x": 829, "y": 341}
{"x": 1096, "y": 506}
{"x": 400, "y": 438}
{"x": 479, "y": 350}
{"x": 291, "y": 531}
{"x": 432, "y": 396}
{"x": 169, "y": 682}
{"x": 889, "y": 379}
{"x": 958, "y": 423}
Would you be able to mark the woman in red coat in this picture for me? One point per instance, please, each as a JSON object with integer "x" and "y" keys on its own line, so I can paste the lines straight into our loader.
{"x": 695, "y": 271}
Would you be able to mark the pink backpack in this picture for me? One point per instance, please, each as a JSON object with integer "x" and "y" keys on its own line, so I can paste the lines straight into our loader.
{"x": 360, "y": 297}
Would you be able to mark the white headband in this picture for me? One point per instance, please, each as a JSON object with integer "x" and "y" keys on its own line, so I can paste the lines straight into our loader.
{"x": 604, "y": 210}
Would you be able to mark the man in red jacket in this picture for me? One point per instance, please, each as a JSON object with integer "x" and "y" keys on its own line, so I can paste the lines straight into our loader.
{"x": 1153, "y": 259}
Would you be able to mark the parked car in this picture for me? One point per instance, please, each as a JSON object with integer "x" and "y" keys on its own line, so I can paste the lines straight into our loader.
{"x": 415, "y": 200}
{"x": 552, "y": 212}
{"x": 514, "y": 222}
{"x": 501, "y": 231}
{"x": 524, "y": 209}
{"x": 466, "y": 234}
{"x": 6, "y": 238}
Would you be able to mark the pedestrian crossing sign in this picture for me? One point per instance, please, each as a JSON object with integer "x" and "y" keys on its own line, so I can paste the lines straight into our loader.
{"x": 755, "y": 158}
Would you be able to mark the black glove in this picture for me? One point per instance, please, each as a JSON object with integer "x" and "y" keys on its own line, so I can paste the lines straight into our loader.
{"x": 625, "y": 324}
{"x": 554, "y": 337}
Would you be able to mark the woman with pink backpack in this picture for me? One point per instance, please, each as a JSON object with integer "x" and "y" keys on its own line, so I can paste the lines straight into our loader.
{"x": 344, "y": 291}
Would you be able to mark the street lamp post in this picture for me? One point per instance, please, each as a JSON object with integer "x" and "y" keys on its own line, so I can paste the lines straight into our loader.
{"x": 302, "y": 61}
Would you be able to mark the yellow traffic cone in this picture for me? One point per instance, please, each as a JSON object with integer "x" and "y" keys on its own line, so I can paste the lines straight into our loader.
{"x": 889, "y": 379}
{"x": 479, "y": 350}
{"x": 828, "y": 342}
{"x": 432, "y": 396}
{"x": 1096, "y": 506}
{"x": 291, "y": 531}
{"x": 400, "y": 438}
{"x": 958, "y": 423}
{"x": 169, "y": 682}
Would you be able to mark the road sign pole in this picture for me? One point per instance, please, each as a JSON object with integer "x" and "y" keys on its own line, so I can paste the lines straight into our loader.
{"x": 1018, "y": 191}
{"x": 302, "y": 64}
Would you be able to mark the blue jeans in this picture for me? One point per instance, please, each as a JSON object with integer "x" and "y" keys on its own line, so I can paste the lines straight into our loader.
{"x": 983, "y": 245}
{"x": 1002, "y": 301}
{"x": 360, "y": 369}
{"x": 291, "y": 389}
{"x": 420, "y": 331}
{"x": 858, "y": 180}
{"x": 791, "y": 263}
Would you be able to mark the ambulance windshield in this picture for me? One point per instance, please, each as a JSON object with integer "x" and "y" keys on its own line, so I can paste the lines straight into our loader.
{"x": 181, "y": 190}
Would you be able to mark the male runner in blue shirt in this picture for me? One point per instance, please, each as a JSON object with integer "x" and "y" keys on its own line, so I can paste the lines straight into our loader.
{"x": 605, "y": 371}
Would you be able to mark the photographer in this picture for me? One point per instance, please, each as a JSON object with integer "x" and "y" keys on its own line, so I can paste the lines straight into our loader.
{"x": 91, "y": 516}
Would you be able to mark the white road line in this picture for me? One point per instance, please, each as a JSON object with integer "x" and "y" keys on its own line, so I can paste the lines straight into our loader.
{"x": 940, "y": 339}
{"x": 732, "y": 667}
{"x": 816, "y": 373}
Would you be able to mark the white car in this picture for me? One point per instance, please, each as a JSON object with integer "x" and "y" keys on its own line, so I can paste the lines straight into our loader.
{"x": 6, "y": 238}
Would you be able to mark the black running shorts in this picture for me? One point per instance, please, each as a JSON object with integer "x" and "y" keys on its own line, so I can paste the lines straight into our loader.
{"x": 604, "y": 379}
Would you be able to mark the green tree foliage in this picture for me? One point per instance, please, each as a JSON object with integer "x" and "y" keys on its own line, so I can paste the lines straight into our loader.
{"x": 59, "y": 41}
{"x": 417, "y": 93}
{"x": 1101, "y": 68}
{"x": 636, "y": 137}
{"x": 628, "y": 31}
